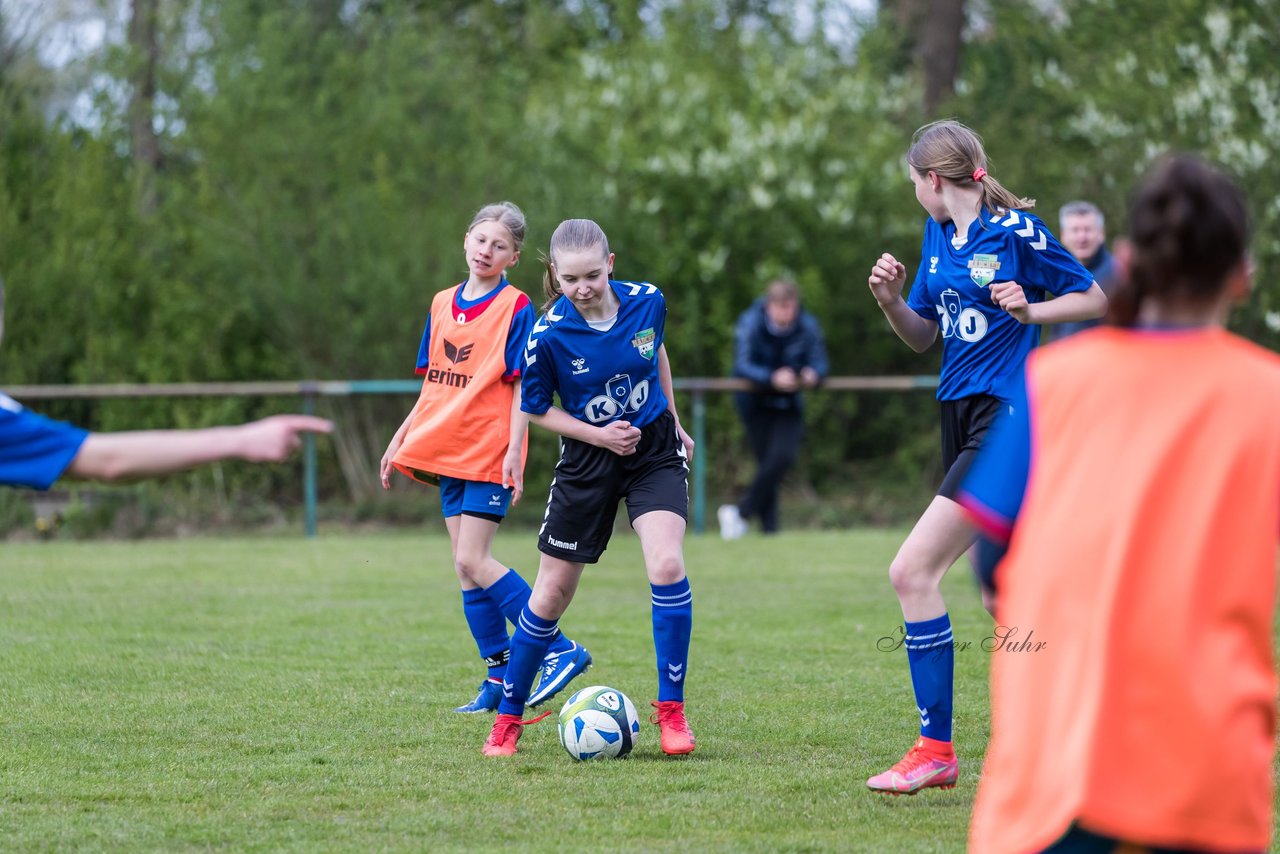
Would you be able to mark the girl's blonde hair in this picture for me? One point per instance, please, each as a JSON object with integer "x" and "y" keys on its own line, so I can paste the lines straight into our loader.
{"x": 572, "y": 235}
{"x": 955, "y": 152}
{"x": 505, "y": 214}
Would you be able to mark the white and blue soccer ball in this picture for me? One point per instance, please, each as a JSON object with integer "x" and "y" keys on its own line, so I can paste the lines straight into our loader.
{"x": 598, "y": 723}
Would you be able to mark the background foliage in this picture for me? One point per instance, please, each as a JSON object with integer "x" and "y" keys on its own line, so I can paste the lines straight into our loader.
{"x": 317, "y": 163}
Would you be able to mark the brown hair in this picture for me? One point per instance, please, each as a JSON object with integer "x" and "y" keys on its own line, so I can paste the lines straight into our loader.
{"x": 572, "y": 235}
{"x": 1188, "y": 232}
{"x": 955, "y": 152}
{"x": 507, "y": 215}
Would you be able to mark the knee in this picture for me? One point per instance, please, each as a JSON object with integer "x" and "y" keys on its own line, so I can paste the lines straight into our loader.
{"x": 909, "y": 578}
{"x": 549, "y": 601}
{"x": 469, "y": 564}
{"x": 666, "y": 570}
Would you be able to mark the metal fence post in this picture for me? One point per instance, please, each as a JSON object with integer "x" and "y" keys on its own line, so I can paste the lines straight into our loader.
{"x": 309, "y": 465}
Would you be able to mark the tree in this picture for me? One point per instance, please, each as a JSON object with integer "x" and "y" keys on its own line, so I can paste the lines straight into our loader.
{"x": 929, "y": 34}
{"x": 144, "y": 52}
{"x": 1103, "y": 87}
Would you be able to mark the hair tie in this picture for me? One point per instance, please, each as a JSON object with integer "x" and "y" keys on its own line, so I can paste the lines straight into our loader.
{"x": 979, "y": 173}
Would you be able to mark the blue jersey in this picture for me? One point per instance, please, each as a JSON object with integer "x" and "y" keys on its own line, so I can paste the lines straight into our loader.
{"x": 521, "y": 323}
{"x": 983, "y": 345}
{"x": 600, "y": 376}
{"x": 34, "y": 450}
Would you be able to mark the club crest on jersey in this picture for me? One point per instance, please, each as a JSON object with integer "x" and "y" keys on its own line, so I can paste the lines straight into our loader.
{"x": 982, "y": 269}
{"x": 643, "y": 342}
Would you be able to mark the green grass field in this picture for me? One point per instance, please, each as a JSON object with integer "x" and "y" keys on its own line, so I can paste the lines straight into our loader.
{"x": 271, "y": 694}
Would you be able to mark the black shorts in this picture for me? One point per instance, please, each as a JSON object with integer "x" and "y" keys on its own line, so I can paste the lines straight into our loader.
{"x": 964, "y": 425}
{"x": 589, "y": 481}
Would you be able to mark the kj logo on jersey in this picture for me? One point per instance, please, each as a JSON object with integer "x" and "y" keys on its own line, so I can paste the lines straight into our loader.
{"x": 619, "y": 398}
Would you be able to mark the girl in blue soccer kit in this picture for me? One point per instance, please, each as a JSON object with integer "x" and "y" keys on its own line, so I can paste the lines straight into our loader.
{"x": 599, "y": 347}
{"x": 986, "y": 267}
{"x": 466, "y": 434}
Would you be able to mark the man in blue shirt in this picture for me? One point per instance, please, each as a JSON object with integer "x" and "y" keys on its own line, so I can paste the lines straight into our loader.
{"x": 778, "y": 347}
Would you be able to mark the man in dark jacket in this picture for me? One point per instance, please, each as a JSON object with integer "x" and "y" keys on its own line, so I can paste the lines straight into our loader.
{"x": 1082, "y": 229}
{"x": 779, "y": 348}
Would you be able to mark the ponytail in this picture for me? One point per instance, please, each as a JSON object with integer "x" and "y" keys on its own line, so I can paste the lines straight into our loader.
{"x": 550, "y": 287}
{"x": 955, "y": 152}
{"x": 995, "y": 197}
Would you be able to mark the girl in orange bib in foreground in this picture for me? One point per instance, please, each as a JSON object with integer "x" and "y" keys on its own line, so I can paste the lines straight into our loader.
{"x": 1137, "y": 485}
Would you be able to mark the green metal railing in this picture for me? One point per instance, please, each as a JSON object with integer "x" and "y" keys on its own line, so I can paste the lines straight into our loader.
{"x": 309, "y": 390}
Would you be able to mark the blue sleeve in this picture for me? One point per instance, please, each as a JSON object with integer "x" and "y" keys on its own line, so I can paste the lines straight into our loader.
{"x": 538, "y": 383}
{"x": 816, "y": 357}
{"x": 993, "y": 489}
{"x": 743, "y": 338}
{"x": 34, "y": 451}
{"x": 424, "y": 349}
{"x": 987, "y": 555}
{"x": 919, "y": 299}
{"x": 517, "y": 338}
{"x": 1049, "y": 265}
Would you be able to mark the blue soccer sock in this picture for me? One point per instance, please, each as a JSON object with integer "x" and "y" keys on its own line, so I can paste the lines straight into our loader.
{"x": 672, "y": 625}
{"x": 489, "y": 628}
{"x": 511, "y": 595}
{"x": 529, "y": 645}
{"x": 932, "y": 656}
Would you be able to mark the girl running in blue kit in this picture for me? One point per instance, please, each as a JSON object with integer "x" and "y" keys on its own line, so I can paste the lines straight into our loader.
{"x": 986, "y": 268}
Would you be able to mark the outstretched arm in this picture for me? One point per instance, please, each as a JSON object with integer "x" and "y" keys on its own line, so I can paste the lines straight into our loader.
{"x": 145, "y": 453}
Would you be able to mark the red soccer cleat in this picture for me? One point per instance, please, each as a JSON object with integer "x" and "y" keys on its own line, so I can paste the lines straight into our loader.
{"x": 505, "y": 733}
{"x": 677, "y": 738}
{"x": 921, "y": 768}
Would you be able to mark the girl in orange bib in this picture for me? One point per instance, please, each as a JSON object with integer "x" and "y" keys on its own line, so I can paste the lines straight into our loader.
{"x": 467, "y": 435}
{"x": 1137, "y": 488}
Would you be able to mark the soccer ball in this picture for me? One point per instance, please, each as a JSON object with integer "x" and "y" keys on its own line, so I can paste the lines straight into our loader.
{"x": 598, "y": 723}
